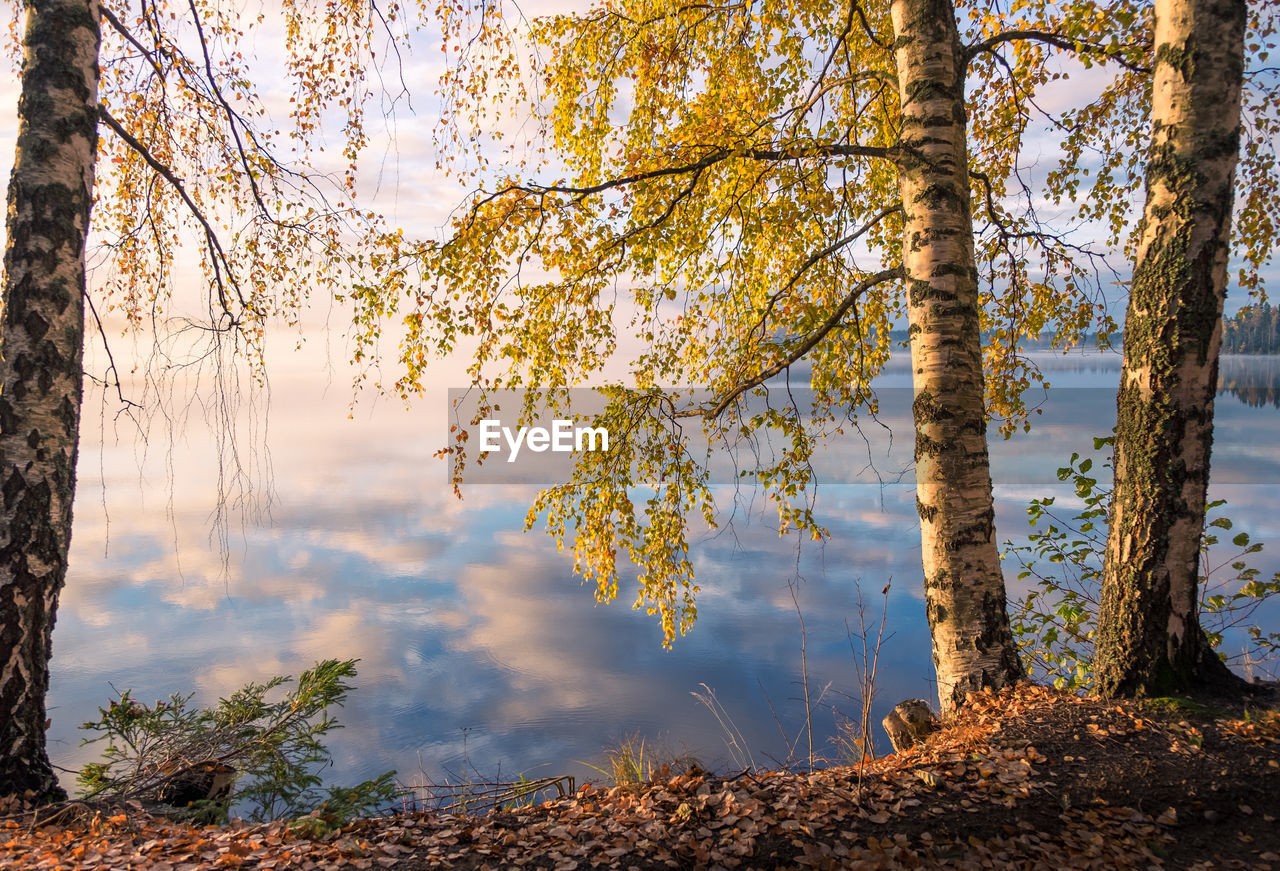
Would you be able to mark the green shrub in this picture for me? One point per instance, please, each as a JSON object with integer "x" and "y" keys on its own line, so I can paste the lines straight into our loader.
{"x": 1054, "y": 623}
{"x": 251, "y": 751}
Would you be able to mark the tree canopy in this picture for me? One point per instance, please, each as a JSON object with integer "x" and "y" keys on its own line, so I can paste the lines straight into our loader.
{"x": 723, "y": 183}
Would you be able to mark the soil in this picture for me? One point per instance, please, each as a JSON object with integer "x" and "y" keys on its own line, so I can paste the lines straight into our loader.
{"x": 1025, "y": 778}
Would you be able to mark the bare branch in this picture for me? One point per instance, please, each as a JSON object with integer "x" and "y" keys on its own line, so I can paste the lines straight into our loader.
{"x": 1003, "y": 228}
{"x": 111, "y": 360}
{"x": 394, "y": 44}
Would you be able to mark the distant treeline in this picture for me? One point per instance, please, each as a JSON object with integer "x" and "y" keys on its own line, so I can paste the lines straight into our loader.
{"x": 1255, "y": 329}
{"x": 1088, "y": 342}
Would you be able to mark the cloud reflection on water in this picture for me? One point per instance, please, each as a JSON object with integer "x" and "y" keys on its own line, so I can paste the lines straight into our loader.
{"x": 476, "y": 641}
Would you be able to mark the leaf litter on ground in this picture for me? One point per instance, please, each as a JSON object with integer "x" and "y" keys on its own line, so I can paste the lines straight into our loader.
{"x": 1029, "y": 777}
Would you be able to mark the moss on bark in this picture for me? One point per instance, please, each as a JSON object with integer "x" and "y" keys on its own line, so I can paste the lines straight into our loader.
{"x": 1149, "y": 637}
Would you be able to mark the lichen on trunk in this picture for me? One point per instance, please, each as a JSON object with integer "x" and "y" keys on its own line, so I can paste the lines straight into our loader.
{"x": 1149, "y": 635}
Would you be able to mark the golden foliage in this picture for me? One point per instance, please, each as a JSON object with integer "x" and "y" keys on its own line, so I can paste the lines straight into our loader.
{"x": 721, "y": 182}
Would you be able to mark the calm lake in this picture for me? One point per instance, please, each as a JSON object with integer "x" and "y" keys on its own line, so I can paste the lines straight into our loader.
{"x": 480, "y": 652}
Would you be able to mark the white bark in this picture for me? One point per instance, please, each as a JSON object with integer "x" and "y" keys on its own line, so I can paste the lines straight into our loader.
{"x": 50, "y": 194}
{"x": 964, "y": 584}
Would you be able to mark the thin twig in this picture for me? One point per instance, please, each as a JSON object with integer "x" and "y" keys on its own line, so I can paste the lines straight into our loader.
{"x": 1054, "y": 39}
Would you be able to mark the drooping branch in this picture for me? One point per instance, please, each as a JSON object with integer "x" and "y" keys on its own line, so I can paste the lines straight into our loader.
{"x": 1007, "y": 233}
{"x": 824, "y": 86}
{"x": 244, "y": 137}
{"x": 394, "y": 44}
{"x": 124, "y": 31}
{"x": 218, "y": 257}
{"x": 806, "y": 345}
{"x": 661, "y": 219}
{"x": 820, "y": 255}
{"x": 233, "y": 119}
{"x": 112, "y": 371}
{"x": 841, "y": 41}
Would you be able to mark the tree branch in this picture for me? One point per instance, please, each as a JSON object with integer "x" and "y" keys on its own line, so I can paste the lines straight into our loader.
{"x": 232, "y": 117}
{"x": 718, "y": 155}
{"x": 855, "y": 6}
{"x": 111, "y": 360}
{"x": 810, "y": 341}
{"x": 1053, "y": 39}
{"x": 817, "y": 256}
{"x": 218, "y": 257}
{"x": 119, "y": 27}
{"x": 661, "y": 219}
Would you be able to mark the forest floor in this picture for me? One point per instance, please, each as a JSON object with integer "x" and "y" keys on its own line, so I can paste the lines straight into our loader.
{"x": 1026, "y": 778}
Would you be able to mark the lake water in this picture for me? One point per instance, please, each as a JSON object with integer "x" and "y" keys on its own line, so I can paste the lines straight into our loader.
{"x": 480, "y": 652}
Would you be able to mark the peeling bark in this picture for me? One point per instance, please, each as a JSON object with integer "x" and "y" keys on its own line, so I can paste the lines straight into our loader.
{"x": 973, "y": 647}
{"x": 1149, "y": 635}
{"x": 41, "y": 343}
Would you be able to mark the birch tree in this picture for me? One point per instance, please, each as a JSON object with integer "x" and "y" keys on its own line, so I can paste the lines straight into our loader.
{"x": 963, "y": 581}
{"x": 190, "y": 156}
{"x": 41, "y": 341}
{"x": 746, "y": 187}
{"x": 1149, "y": 635}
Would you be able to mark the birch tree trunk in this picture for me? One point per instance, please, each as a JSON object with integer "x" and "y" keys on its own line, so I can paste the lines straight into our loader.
{"x": 1149, "y": 635}
{"x": 964, "y": 585}
{"x": 50, "y": 194}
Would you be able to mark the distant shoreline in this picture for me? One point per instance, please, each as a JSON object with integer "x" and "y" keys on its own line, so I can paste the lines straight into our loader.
{"x": 1237, "y": 341}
